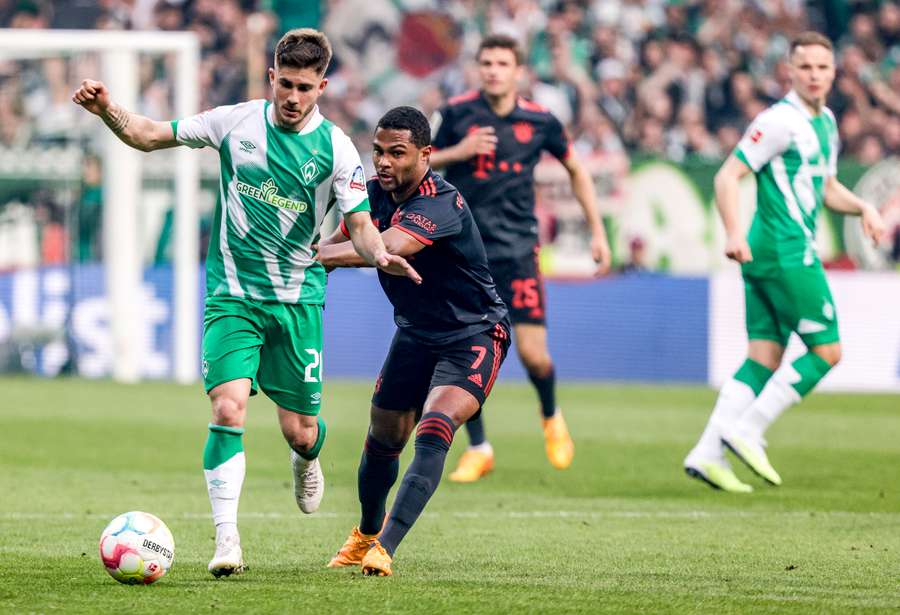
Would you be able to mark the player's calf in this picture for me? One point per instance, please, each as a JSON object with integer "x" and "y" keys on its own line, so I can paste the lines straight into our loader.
{"x": 433, "y": 439}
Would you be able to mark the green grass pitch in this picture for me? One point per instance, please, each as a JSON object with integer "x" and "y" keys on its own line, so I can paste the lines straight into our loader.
{"x": 622, "y": 531}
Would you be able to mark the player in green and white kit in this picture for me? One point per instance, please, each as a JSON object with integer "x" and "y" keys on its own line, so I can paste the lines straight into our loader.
{"x": 792, "y": 149}
{"x": 283, "y": 166}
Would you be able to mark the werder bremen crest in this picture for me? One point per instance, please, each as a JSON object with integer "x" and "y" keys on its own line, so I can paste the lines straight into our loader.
{"x": 268, "y": 193}
{"x": 309, "y": 170}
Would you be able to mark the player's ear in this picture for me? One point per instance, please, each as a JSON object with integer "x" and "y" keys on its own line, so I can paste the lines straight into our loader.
{"x": 425, "y": 152}
{"x": 271, "y": 77}
{"x": 322, "y": 85}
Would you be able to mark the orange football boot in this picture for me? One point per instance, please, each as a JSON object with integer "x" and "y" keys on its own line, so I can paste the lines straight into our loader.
{"x": 377, "y": 562}
{"x": 356, "y": 546}
{"x": 473, "y": 464}
{"x": 558, "y": 443}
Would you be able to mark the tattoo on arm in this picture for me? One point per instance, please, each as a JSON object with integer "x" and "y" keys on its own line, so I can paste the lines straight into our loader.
{"x": 116, "y": 118}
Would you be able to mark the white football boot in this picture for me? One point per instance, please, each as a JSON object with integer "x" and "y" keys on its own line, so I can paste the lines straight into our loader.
{"x": 229, "y": 558}
{"x": 309, "y": 482}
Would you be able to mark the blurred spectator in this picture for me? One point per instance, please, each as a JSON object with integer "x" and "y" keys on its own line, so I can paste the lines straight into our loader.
{"x": 89, "y": 212}
{"x": 637, "y": 257}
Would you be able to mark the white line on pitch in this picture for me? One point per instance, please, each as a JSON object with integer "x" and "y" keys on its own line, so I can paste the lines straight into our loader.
{"x": 512, "y": 514}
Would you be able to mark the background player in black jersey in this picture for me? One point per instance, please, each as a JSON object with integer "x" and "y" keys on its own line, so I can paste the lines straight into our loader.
{"x": 452, "y": 334}
{"x": 490, "y": 141}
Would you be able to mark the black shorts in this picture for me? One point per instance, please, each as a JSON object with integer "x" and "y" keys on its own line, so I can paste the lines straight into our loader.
{"x": 412, "y": 368}
{"x": 521, "y": 287}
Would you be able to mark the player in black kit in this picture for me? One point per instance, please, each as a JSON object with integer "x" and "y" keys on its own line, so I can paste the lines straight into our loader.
{"x": 490, "y": 141}
{"x": 452, "y": 334}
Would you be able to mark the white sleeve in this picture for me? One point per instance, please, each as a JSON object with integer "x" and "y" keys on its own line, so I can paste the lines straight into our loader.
{"x": 767, "y": 136}
{"x": 349, "y": 182}
{"x": 210, "y": 127}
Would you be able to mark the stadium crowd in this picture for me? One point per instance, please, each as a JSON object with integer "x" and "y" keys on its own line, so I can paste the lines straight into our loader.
{"x": 640, "y": 78}
{"x": 664, "y": 77}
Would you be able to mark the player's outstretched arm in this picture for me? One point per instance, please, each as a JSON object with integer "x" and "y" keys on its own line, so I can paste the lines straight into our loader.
{"x": 336, "y": 237}
{"x": 382, "y": 250}
{"x": 132, "y": 129}
{"x": 727, "y": 188}
{"x": 841, "y": 199}
{"x": 583, "y": 189}
{"x": 476, "y": 143}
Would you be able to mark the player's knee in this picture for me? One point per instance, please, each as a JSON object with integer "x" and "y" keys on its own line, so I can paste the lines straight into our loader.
{"x": 394, "y": 436}
{"x": 228, "y": 410}
{"x": 301, "y": 438}
{"x": 830, "y": 353}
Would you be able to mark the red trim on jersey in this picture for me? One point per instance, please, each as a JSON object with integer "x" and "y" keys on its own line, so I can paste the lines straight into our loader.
{"x": 495, "y": 365}
{"x": 414, "y": 234}
{"x": 344, "y": 229}
{"x": 569, "y": 153}
{"x": 464, "y": 97}
{"x": 428, "y": 187}
{"x": 529, "y": 105}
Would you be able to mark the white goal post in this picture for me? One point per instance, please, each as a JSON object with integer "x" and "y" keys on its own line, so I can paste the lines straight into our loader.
{"x": 119, "y": 51}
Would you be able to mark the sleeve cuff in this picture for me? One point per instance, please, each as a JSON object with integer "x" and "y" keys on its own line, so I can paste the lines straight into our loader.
{"x": 175, "y": 129}
{"x": 363, "y": 206}
{"x": 413, "y": 234}
{"x": 743, "y": 158}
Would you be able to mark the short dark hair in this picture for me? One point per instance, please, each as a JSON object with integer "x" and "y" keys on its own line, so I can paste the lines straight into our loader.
{"x": 408, "y": 118}
{"x": 501, "y": 41}
{"x": 810, "y": 38}
{"x": 304, "y": 48}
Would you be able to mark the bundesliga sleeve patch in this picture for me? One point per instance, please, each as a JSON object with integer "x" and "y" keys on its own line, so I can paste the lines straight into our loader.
{"x": 358, "y": 179}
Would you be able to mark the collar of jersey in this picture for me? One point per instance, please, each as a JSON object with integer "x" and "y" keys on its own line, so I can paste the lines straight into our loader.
{"x": 315, "y": 120}
{"x": 794, "y": 100}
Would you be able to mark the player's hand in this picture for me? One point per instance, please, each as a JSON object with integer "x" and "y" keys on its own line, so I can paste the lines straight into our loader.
{"x": 93, "y": 96}
{"x": 397, "y": 265}
{"x": 601, "y": 253}
{"x": 737, "y": 249}
{"x": 873, "y": 225}
{"x": 479, "y": 142}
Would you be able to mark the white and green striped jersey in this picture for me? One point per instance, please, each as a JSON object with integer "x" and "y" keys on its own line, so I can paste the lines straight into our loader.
{"x": 275, "y": 188}
{"x": 792, "y": 152}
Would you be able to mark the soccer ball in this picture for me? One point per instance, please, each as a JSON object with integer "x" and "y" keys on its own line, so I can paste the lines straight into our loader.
{"x": 137, "y": 548}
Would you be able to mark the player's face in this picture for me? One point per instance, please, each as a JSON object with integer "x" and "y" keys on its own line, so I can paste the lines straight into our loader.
{"x": 398, "y": 162}
{"x": 812, "y": 73}
{"x": 295, "y": 91}
{"x": 499, "y": 71}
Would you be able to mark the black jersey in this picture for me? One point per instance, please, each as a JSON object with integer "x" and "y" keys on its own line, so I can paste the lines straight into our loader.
{"x": 500, "y": 187}
{"x": 457, "y": 298}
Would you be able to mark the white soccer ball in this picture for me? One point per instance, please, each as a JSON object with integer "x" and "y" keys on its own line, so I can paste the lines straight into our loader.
{"x": 137, "y": 548}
